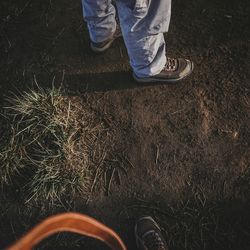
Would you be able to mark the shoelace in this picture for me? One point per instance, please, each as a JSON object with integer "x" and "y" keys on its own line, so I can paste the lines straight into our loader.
{"x": 171, "y": 64}
{"x": 154, "y": 242}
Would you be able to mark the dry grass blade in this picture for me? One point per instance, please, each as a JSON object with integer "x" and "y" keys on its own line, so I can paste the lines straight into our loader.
{"x": 57, "y": 142}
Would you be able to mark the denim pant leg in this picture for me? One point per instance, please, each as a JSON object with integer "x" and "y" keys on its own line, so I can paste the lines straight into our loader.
{"x": 100, "y": 18}
{"x": 143, "y": 23}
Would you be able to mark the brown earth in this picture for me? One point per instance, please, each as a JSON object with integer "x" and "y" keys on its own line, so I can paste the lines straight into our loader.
{"x": 188, "y": 142}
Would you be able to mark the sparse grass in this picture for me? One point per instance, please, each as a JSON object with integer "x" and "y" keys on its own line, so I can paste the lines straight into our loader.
{"x": 197, "y": 224}
{"x": 11, "y": 152}
{"x": 202, "y": 225}
{"x": 53, "y": 144}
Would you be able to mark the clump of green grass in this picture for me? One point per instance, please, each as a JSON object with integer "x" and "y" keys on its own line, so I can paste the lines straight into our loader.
{"x": 51, "y": 142}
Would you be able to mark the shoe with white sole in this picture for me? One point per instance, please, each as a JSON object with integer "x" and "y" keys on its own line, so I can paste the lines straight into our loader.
{"x": 174, "y": 70}
{"x": 148, "y": 235}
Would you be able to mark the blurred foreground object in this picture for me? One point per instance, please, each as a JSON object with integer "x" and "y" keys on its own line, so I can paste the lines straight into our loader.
{"x": 69, "y": 222}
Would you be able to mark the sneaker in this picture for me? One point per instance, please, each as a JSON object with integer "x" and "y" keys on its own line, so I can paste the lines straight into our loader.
{"x": 103, "y": 46}
{"x": 148, "y": 235}
{"x": 174, "y": 70}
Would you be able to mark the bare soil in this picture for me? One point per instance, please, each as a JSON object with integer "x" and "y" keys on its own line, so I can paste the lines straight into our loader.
{"x": 188, "y": 142}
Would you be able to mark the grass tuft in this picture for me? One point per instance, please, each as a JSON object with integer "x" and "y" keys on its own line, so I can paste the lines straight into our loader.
{"x": 51, "y": 143}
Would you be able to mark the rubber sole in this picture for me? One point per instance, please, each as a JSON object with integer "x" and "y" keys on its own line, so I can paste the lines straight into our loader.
{"x": 102, "y": 49}
{"x": 107, "y": 46}
{"x": 151, "y": 79}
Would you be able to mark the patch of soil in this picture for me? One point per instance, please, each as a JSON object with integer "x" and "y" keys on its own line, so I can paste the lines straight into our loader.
{"x": 188, "y": 142}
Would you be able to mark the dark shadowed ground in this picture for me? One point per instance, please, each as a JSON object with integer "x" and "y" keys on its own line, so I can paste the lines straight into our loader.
{"x": 188, "y": 142}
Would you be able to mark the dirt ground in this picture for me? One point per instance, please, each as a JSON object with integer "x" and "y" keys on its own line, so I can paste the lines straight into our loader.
{"x": 188, "y": 142}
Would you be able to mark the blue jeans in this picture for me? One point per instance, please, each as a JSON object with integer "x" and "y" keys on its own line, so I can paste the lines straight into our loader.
{"x": 143, "y": 23}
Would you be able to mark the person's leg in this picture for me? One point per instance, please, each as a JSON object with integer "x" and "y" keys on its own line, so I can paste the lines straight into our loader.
{"x": 100, "y": 18}
{"x": 143, "y": 23}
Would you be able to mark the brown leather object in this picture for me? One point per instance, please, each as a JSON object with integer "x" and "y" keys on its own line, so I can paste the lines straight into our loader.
{"x": 69, "y": 222}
